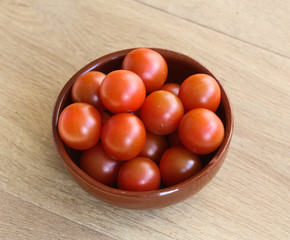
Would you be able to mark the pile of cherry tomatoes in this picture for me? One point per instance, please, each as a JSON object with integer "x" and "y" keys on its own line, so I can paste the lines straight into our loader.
{"x": 137, "y": 131}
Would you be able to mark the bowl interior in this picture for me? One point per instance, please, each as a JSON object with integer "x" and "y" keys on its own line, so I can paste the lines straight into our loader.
{"x": 179, "y": 68}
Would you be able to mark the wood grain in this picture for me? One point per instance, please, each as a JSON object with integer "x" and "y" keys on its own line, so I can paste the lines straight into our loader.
{"x": 43, "y": 43}
{"x": 20, "y": 219}
{"x": 262, "y": 23}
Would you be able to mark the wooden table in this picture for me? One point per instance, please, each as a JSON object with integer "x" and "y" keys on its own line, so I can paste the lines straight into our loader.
{"x": 244, "y": 43}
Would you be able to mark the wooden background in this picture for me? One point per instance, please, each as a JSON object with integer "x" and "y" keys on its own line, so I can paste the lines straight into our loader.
{"x": 244, "y": 43}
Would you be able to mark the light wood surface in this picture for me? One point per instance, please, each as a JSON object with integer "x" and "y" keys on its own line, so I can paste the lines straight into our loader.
{"x": 244, "y": 43}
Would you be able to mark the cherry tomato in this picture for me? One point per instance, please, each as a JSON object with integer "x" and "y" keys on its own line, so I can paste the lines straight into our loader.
{"x": 178, "y": 164}
{"x": 201, "y": 131}
{"x": 79, "y": 126}
{"x": 171, "y": 87}
{"x": 161, "y": 112}
{"x": 200, "y": 91}
{"x": 97, "y": 164}
{"x": 123, "y": 136}
{"x": 174, "y": 139}
{"x": 122, "y": 91}
{"x": 139, "y": 174}
{"x": 86, "y": 89}
{"x": 105, "y": 116}
{"x": 136, "y": 113}
{"x": 149, "y": 65}
{"x": 154, "y": 147}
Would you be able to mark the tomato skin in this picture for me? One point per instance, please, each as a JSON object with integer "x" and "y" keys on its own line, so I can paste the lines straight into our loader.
{"x": 105, "y": 116}
{"x": 154, "y": 147}
{"x": 171, "y": 87}
{"x": 139, "y": 174}
{"x": 122, "y": 91}
{"x": 79, "y": 126}
{"x": 123, "y": 136}
{"x": 174, "y": 139}
{"x": 86, "y": 89}
{"x": 149, "y": 65}
{"x": 97, "y": 164}
{"x": 200, "y": 91}
{"x": 161, "y": 112}
{"x": 178, "y": 164}
{"x": 201, "y": 131}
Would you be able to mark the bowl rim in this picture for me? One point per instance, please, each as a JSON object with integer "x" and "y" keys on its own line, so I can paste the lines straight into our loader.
{"x": 69, "y": 163}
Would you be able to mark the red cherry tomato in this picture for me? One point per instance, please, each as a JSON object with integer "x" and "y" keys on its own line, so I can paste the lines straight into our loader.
{"x": 136, "y": 113}
{"x": 79, "y": 126}
{"x": 123, "y": 136}
{"x": 171, "y": 87}
{"x": 174, "y": 139}
{"x": 105, "y": 116}
{"x": 200, "y": 91}
{"x": 161, "y": 112}
{"x": 149, "y": 65}
{"x": 97, "y": 164}
{"x": 154, "y": 147}
{"x": 139, "y": 174}
{"x": 122, "y": 91}
{"x": 201, "y": 131}
{"x": 178, "y": 164}
{"x": 86, "y": 89}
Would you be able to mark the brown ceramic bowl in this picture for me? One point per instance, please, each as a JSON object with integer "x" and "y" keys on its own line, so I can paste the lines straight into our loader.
{"x": 180, "y": 67}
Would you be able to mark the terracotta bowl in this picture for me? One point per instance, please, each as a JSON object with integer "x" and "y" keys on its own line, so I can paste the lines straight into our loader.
{"x": 180, "y": 67}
